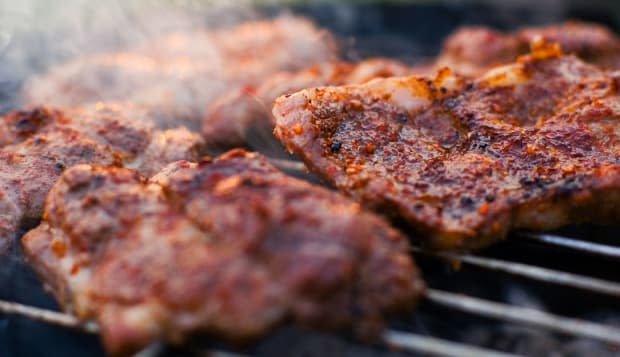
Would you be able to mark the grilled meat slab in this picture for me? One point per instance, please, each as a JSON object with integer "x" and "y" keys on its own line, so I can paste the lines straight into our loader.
{"x": 229, "y": 246}
{"x": 180, "y": 74}
{"x": 37, "y": 145}
{"x": 472, "y": 50}
{"x": 534, "y": 144}
{"x": 245, "y": 113}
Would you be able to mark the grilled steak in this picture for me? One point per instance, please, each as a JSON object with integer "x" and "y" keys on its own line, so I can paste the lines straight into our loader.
{"x": 472, "y": 50}
{"x": 534, "y": 144}
{"x": 180, "y": 74}
{"x": 248, "y": 110}
{"x": 229, "y": 246}
{"x": 37, "y": 145}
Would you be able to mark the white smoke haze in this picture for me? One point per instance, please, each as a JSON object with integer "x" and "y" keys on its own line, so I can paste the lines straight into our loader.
{"x": 35, "y": 34}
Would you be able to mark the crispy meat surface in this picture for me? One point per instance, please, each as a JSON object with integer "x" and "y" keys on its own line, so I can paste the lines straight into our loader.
{"x": 230, "y": 247}
{"x": 180, "y": 74}
{"x": 244, "y": 114}
{"x": 532, "y": 145}
{"x": 37, "y": 145}
{"x": 472, "y": 50}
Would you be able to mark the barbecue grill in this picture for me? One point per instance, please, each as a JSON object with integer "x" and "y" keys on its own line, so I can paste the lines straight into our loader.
{"x": 534, "y": 294}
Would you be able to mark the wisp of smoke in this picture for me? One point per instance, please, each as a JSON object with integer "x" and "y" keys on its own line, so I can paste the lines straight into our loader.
{"x": 35, "y": 34}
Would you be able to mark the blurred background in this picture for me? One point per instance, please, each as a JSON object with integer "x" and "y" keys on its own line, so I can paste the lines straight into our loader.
{"x": 35, "y": 34}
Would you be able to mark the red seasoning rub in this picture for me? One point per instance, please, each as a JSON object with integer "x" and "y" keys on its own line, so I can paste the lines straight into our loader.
{"x": 534, "y": 145}
{"x": 229, "y": 247}
{"x": 472, "y": 50}
{"x": 37, "y": 145}
{"x": 242, "y": 113}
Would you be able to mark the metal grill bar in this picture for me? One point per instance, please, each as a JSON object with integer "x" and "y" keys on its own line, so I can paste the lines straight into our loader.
{"x": 437, "y": 347}
{"x": 574, "y": 244}
{"x": 533, "y": 272}
{"x": 524, "y": 315}
{"x": 72, "y": 322}
{"x": 402, "y": 340}
{"x": 48, "y": 316}
{"x": 156, "y": 349}
{"x": 288, "y": 165}
{"x": 417, "y": 343}
{"x": 152, "y": 350}
{"x": 212, "y": 353}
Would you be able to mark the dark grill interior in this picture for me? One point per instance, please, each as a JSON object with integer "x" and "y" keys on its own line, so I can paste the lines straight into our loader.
{"x": 411, "y": 32}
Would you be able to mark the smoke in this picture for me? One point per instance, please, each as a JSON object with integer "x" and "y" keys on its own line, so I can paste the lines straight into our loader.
{"x": 36, "y": 34}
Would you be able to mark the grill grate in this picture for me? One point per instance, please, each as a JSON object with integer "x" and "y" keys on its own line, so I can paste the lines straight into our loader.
{"x": 396, "y": 21}
{"x": 417, "y": 343}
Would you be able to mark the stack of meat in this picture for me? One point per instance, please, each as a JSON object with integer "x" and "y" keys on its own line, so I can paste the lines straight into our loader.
{"x": 141, "y": 231}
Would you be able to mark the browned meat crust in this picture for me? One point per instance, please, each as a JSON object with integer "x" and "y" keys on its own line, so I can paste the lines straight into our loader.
{"x": 472, "y": 50}
{"x": 535, "y": 144}
{"x": 245, "y": 113}
{"x": 37, "y": 145}
{"x": 179, "y": 75}
{"x": 229, "y": 246}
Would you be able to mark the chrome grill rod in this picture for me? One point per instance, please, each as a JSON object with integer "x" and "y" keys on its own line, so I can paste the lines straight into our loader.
{"x": 533, "y": 317}
{"x": 405, "y": 341}
{"x": 532, "y": 272}
{"x": 574, "y": 244}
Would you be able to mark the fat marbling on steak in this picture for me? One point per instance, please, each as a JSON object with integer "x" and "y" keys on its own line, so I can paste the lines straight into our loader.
{"x": 531, "y": 145}
{"x": 230, "y": 247}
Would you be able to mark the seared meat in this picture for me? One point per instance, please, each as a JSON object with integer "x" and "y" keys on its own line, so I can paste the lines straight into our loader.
{"x": 472, "y": 50}
{"x": 248, "y": 110}
{"x": 591, "y": 42}
{"x": 37, "y": 145}
{"x": 179, "y": 75}
{"x": 230, "y": 247}
{"x": 534, "y": 144}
